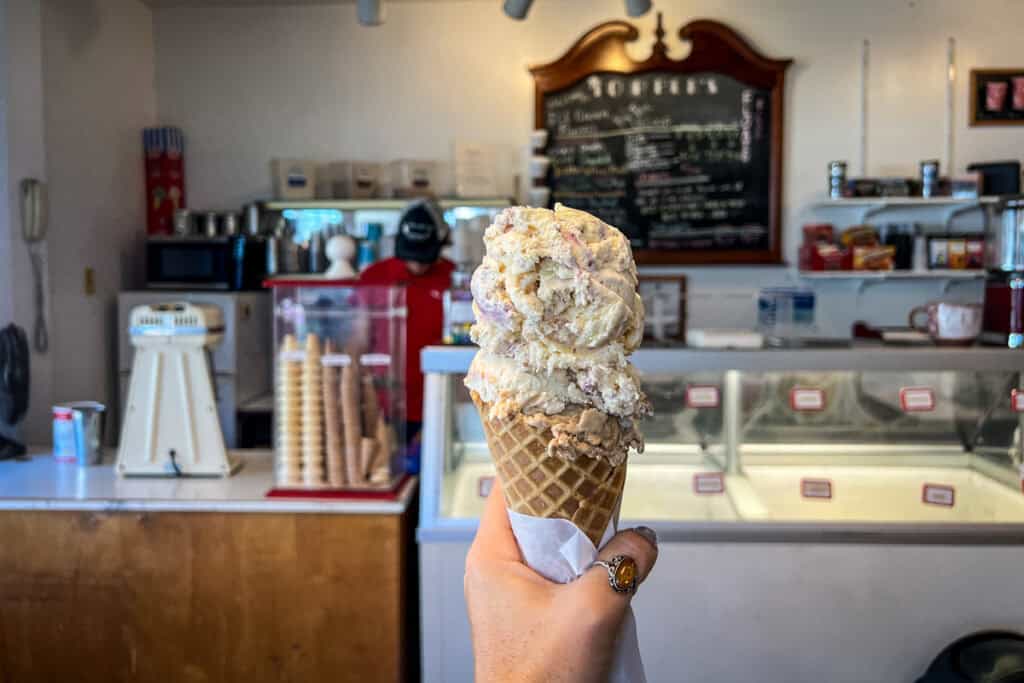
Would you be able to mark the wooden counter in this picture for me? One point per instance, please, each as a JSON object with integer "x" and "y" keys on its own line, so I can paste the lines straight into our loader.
{"x": 119, "y": 594}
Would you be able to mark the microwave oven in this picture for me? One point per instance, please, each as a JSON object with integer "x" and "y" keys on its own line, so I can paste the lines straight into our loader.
{"x": 233, "y": 263}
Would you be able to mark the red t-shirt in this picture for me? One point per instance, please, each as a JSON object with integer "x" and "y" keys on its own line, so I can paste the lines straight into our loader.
{"x": 425, "y": 317}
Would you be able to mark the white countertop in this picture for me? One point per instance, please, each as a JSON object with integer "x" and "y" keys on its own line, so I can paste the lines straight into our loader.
{"x": 41, "y": 483}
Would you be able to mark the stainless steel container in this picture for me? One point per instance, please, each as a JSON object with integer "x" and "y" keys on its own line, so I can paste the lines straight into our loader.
{"x": 836, "y": 179}
{"x": 210, "y": 224}
{"x": 182, "y": 222}
{"x": 229, "y": 221}
{"x": 252, "y": 218}
{"x": 1004, "y": 245}
{"x": 273, "y": 256}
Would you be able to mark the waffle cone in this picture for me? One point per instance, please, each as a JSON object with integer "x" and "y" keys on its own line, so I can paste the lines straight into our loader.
{"x": 585, "y": 491}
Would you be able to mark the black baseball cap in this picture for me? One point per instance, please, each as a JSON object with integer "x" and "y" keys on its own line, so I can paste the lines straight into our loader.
{"x": 422, "y": 232}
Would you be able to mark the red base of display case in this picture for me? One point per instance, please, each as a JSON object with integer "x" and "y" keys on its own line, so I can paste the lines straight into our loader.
{"x": 339, "y": 494}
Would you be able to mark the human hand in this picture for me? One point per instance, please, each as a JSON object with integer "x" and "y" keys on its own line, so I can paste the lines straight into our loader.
{"x": 526, "y": 628}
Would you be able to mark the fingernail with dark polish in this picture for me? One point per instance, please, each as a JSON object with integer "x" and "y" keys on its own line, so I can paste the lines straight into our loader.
{"x": 648, "y": 533}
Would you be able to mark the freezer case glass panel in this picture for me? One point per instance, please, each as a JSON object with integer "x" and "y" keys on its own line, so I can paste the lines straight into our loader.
{"x": 938, "y": 446}
{"x": 679, "y": 476}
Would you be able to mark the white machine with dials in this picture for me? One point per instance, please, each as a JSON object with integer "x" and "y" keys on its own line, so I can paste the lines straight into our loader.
{"x": 170, "y": 425}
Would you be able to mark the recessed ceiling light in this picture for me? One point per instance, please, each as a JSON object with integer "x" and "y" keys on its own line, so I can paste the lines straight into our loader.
{"x": 370, "y": 12}
{"x": 517, "y": 9}
{"x": 637, "y": 8}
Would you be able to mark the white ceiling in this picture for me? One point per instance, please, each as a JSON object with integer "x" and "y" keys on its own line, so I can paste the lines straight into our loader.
{"x": 243, "y": 3}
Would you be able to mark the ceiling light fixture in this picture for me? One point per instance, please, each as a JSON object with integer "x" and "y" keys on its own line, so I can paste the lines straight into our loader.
{"x": 637, "y": 8}
{"x": 517, "y": 9}
{"x": 370, "y": 12}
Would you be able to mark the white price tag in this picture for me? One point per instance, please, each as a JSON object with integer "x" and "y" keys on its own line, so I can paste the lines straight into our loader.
{"x": 806, "y": 400}
{"x": 917, "y": 399}
{"x": 938, "y": 494}
{"x": 708, "y": 483}
{"x": 702, "y": 396}
{"x": 1017, "y": 400}
{"x": 816, "y": 488}
{"x": 484, "y": 486}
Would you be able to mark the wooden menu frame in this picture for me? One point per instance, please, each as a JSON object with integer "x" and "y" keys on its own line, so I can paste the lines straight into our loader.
{"x": 715, "y": 48}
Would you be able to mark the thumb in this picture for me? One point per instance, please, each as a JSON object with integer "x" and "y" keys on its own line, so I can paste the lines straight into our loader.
{"x": 640, "y": 544}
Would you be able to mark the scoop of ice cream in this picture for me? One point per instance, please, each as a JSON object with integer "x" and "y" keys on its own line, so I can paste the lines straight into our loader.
{"x": 614, "y": 390}
{"x": 556, "y": 295}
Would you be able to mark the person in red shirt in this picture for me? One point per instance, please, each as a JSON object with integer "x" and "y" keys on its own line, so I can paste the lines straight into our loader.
{"x": 422, "y": 232}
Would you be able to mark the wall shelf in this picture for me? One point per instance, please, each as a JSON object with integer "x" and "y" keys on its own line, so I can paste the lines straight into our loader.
{"x": 896, "y": 202}
{"x": 869, "y": 206}
{"x": 891, "y": 274}
{"x": 380, "y": 204}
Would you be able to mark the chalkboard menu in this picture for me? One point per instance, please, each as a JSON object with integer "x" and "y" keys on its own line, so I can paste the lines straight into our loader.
{"x": 683, "y": 156}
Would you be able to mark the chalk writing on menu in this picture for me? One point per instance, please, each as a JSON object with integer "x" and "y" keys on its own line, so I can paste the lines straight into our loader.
{"x": 677, "y": 161}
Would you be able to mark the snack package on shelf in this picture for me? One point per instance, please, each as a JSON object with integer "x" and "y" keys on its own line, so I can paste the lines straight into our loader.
{"x": 873, "y": 257}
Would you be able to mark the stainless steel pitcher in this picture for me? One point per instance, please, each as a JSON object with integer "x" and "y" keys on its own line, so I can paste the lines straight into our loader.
{"x": 1004, "y": 248}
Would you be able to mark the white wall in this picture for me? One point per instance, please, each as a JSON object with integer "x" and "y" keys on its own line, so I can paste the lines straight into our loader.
{"x": 78, "y": 86}
{"x": 23, "y": 147}
{"x": 251, "y": 83}
{"x": 99, "y": 84}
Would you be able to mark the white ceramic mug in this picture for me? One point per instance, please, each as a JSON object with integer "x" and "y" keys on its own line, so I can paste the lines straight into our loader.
{"x": 949, "y": 322}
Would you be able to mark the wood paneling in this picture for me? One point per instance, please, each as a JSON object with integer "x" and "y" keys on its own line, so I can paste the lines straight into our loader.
{"x": 167, "y": 597}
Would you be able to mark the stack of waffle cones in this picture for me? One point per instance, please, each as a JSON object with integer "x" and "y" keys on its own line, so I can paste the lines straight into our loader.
{"x": 330, "y": 427}
{"x": 584, "y": 491}
{"x": 333, "y": 430}
{"x": 288, "y": 393}
{"x": 312, "y": 414}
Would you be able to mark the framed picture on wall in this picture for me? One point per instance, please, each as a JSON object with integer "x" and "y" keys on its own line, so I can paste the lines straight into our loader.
{"x": 997, "y": 97}
{"x": 664, "y": 299}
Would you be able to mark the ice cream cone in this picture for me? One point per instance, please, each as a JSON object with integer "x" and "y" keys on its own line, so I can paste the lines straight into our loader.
{"x": 584, "y": 491}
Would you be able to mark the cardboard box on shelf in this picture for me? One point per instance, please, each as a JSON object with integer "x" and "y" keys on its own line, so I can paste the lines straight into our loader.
{"x": 410, "y": 178}
{"x": 293, "y": 179}
{"x": 351, "y": 180}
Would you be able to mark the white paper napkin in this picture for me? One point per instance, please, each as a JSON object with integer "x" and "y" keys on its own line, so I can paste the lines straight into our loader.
{"x": 558, "y": 550}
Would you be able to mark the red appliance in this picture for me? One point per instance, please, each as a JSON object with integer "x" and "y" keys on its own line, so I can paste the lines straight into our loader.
{"x": 1004, "y": 310}
{"x": 164, "y": 155}
{"x": 1004, "y": 290}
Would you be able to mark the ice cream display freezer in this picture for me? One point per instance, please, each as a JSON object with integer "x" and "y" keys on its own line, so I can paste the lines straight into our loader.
{"x": 861, "y": 506}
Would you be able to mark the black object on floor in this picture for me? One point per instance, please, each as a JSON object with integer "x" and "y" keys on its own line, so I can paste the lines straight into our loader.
{"x": 986, "y": 657}
{"x": 14, "y": 374}
{"x": 9, "y": 448}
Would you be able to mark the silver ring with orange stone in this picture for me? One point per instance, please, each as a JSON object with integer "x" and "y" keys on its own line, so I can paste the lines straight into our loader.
{"x": 622, "y": 573}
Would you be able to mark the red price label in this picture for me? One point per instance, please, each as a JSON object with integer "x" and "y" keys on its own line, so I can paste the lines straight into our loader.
{"x": 917, "y": 399}
{"x": 484, "y": 486}
{"x": 806, "y": 400}
{"x": 702, "y": 396}
{"x": 816, "y": 488}
{"x": 1017, "y": 400}
{"x": 705, "y": 483}
{"x": 938, "y": 494}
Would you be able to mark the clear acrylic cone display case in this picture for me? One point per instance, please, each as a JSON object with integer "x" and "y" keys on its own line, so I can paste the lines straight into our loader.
{"x": 339, "y": 385}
